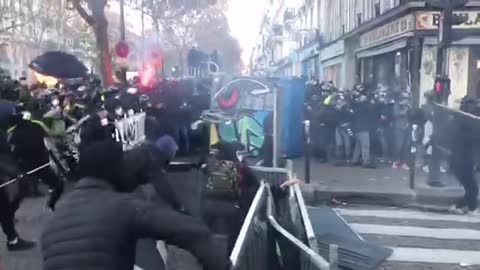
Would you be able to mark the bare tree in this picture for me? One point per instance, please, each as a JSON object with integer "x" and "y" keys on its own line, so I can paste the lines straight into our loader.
{"x": 16, "y": 18}
{"x": 94, "y": 14}
{"x": 206, "y": 29}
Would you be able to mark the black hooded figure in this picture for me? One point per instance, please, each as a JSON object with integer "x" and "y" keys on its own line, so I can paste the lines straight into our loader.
{"x": 27, "y": 139}
{"x": 10, "y": 196}
{"x": 96, "y": 215}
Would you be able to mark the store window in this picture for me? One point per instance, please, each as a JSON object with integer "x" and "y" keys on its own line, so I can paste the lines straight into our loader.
{"x": 389, "y": 70}
{"x": 474, "y": 72}
{"x": 333, "y": 73}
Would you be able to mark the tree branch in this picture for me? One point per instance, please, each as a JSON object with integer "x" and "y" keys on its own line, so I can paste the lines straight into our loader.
{"x": 81, "y": 11}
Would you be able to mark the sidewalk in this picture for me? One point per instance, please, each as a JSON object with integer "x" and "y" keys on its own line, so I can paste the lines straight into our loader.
{"x": 31, "y": 219}
{"x": 383, "y": 185}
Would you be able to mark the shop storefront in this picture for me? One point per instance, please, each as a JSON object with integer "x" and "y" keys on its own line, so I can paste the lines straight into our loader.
{"x": 384, "y": 54}
{"x": 463, "y": 56}
{"x": 332, "y": 63}
{"x": 309, "y": 58}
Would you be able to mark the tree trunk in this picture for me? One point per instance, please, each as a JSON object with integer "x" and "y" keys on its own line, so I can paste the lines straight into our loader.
{"x": 99, "y": 22}
{"x": 103, "y": 52}
{"x": 180, "y": 54}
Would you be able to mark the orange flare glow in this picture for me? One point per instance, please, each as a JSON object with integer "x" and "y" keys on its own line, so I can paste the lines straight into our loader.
{"x": 48, "y": 80}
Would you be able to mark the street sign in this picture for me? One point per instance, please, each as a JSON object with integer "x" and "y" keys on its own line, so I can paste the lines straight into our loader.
{"x": 122, "y": 49}
{"x": 437, "y": 3}
{"x": 443, "y": 4}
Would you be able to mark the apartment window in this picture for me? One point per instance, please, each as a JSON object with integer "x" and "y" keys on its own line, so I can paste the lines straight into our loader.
{"x": 311, "y": 17}
{"x": 377, "y": 9}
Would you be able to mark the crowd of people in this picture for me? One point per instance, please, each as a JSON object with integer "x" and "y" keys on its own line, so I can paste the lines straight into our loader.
{"x": 368, "y": 126}
{"x": 118, "y": 196}
{"x": 360, "y": 127}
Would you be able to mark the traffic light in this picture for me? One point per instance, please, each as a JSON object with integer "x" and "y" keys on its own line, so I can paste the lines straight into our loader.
{"x": 442, "y": 89}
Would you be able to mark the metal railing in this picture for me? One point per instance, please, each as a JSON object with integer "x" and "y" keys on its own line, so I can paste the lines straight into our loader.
{"x": 278, "y": 231}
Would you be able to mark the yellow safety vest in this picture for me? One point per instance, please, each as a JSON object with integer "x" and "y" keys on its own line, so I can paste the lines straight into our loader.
{"x": 328, "y": 100}
{"x": 44, "y": 127}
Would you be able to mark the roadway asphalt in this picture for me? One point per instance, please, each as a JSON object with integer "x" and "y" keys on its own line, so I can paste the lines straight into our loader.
{"x": 419, "y": 240}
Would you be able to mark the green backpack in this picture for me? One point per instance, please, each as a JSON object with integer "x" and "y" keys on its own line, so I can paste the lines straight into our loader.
{"x": 222, "y": 179}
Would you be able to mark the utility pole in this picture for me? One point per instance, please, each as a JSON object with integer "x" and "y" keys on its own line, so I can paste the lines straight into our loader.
{"x": 143, "y": 32}
{"x": 441, "y": 86}
{"x": 445, "y": 39}
{"x": 123, "y": 70}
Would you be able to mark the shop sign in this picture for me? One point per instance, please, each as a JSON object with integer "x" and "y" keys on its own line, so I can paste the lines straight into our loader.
{"x": 430, "y": 20}
{"x": 388, "y": 31}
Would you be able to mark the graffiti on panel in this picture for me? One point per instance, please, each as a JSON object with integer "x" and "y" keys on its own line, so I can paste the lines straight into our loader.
{"x": 249, "y": 102}
{"x": 248, "y": 130}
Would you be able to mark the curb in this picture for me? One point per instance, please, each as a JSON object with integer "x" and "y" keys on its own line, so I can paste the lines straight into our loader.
{"x": 317, "y": 196}
{"x": 422, "y": 199}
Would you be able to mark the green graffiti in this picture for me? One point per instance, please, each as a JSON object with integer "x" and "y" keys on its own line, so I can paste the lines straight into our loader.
{"x": 247, "y": 130}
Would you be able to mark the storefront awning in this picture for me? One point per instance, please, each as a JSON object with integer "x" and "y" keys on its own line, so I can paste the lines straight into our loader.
{"x": 382, "y": 49}
{"x": 473, "y": 40}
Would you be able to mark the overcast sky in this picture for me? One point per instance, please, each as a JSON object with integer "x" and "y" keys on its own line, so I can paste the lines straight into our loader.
{"x": 245, "y": 17}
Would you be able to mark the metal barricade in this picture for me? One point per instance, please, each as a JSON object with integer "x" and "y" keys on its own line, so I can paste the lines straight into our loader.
{"x": 130, "y": 131}
{"x": 271, "y": 227}
{"x": 452, "y": 130}
{"x": 250, "y": 250}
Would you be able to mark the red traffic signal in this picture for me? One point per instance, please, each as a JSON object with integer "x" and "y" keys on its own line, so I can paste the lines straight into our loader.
{"x": 438, "y": 87}
{"x": 122, "y": 49}
{"x": 442, "y": 89}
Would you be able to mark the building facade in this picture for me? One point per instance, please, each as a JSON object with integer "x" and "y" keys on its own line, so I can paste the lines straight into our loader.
{"x": 381, "y": 42}
{"x": 31, "y": 27}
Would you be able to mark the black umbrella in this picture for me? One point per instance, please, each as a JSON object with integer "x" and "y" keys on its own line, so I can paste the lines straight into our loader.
{"x": 58, "y": 64}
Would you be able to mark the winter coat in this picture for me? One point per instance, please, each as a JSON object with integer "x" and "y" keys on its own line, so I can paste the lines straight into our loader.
{"x": 93, "y": 131}
{"x": 27, "y": 139}
{"x": 95, "y": 227}
{"x": 146, "y": 165}
{"x": 363, "y": 116}
{"x": 8, "y": 168}
{"x": 401, "y": 113}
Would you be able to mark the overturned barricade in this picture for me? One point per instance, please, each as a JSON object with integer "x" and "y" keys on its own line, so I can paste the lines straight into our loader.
{"x": 277, "y": 232}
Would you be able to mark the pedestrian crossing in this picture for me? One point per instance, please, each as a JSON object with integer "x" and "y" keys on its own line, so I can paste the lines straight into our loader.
{"x": 419, "y": 237}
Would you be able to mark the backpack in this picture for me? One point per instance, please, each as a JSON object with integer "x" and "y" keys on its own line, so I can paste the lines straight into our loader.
{"x": 222, "y": 179}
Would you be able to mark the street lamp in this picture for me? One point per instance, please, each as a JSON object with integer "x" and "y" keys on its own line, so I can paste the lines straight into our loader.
{"x": 123, "y": 70}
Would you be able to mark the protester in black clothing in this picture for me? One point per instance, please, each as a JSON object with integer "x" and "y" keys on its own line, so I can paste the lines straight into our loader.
{"x": 362, "y": 121}
{"x": 383, "y": 125}
{"x": 29, "y": 149}
{"x": 147, "y": 165}
{"x": 462, "y": 157}
{"x": 343, "y": 132}
{"x": 96, "y": 128}
{"x": 95, "y": 227}
{"x": 10, "y": 197}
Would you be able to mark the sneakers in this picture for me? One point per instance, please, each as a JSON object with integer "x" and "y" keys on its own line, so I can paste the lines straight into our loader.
{"x": 464, "y": 211}
{"x": 396, "y": 165}
{"x": 18, "y": 244}
{"x": 458, "y": 210}
{"x": 405, "y": 167}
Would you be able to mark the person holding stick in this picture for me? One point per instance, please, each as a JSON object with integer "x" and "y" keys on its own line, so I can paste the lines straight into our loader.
{"x": 10, "y": 197}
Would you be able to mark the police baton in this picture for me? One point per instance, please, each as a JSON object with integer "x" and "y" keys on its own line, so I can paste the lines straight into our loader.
{"x": 28, "y": 173}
